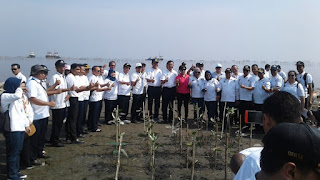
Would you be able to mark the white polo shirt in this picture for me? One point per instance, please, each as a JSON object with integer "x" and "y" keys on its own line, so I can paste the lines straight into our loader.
{"x": 237, "y": 76}
{"x": 250, "y": 166}
{"x": 113, "y": 93}
{"x": 276, "y": 81}
{"x": 72, "y": 81}
{"x": 197, "y": 87}
{"x": 86, "y": 94}
{"x": 154, "y": 74}
{"x": 171, "y": 76}
{"x": 83, "y": 81}
{"x": 302, "y": 82}
{"x": 259, "y": 95}
{"x": 282, "y": 74}
{"x": 95, "y": 96}
{"x": 267, "y": 74}
{"x": 138, "y": 88}
{"x": 295, "y": 89}
{"x": 36, "y": 90}
{"x": 59, "y": 98}
{"x": 124, "y": 89}
{"x": 228, "y": 88}
{"x": 211, "y": 85}
{"x": 216, "y": 75}
{"x": 22, "y": 77}
{"x": 244, "y": 94}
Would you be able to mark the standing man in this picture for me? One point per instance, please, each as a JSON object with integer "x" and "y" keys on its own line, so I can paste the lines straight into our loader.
{"x": 235, "y": 72}
{"x": 218, "y": 74}
{"x": 112, "y": 65}
{"x": 137, "y": 83}
{"x": 267, "y": 71}
{"x": 15, "y": 68}
{"x": 169, "y": 91}
{"x": 61, "y": 100}
{"x": 261, "y": 90}
{"x": 275, "y": 80}
{"x": 40, "y": 105}
{"x": 254, "y": 74}
{"x": 84, "y": 82}
{"x": 282, "y": 74}
{"x": 305, "y": 79}
{"x": 86, "y": 95}
{"x": 153, "y": 77}
{"x": 124, "y": 90}
{"x": 145, "y": 83}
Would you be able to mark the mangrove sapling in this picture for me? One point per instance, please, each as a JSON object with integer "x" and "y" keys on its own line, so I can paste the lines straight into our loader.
{"x": 226, "y": 156}
{"x": 154, "y": 145}
{"x": 240, "y": 135}
{"x": 224, "y": 113}
{"x": 195, "y": 141}
{"x": 119, "y": 154}
{"x": 144, "y": 117}
{"x": 187, "y": 139}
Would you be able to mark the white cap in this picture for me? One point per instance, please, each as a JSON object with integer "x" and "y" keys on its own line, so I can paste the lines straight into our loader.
{"x": 138, "y": 65}
{"x": 218, "y": 65}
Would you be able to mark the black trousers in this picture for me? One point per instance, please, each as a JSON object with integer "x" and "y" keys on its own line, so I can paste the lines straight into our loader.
{"x": 25, "y": 157}
{"x": 221, "y": 108}
{"x": 154, "y": 93}
{"x": 168, "y": 96}
{"x": 71, "y": 124}
{"x": 243, "y": 106}
{"x": 38, "y": 139}
{"x": 58, "y": 116}
{"x": 123, "y": 102}
{"x": 94, "y": 114}
{"x": 211, "y": 109}
{"x": 185, "y": 98}
{"x": 109, "y": 106}
{"x": 81, "y": 117}
{"x": 136, "y": 105}
{"x": 85, "y": 121}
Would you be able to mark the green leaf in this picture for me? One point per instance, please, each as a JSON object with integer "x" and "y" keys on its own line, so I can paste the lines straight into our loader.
{"x": 115, "y": 151}
{"x": 151, "y": 137}
{"x": 189, "y": 144}
{"x": 194, "y": 133}
{"x": 124, "y": 152}
{"x": 122, "y": 134}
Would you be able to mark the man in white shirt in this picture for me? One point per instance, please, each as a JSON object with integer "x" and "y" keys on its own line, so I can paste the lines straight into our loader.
{"x": 153, "y": 77}
{"x": 124, "y": 90}
{"x": 274, "y": 112}
{"x": 137, "y": 83}
{"x": 282, "y": 74}
{"x": 305, "y": 79}
{"x": 261, "y": 90}
{"x": 144, "y": 75}
{"x": 235, "y": 72}
{"x": 267, "y": 71}
{"x": 62, "y": 99}
{"x": 218, "y": 74}
{"x": 15, "y": 68}
{"x": 275, "y": 79}
{"x": 112, "y": 65}
{"x": 169, "y": 91}
{"x": 71, "y": 123}
{"x": 40, "y": 105}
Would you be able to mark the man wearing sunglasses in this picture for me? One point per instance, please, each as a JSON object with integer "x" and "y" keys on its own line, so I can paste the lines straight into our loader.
{"x": 15, "y": 68}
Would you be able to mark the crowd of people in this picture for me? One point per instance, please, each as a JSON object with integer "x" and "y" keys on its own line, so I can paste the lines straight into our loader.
{"x": 73, "y": 91}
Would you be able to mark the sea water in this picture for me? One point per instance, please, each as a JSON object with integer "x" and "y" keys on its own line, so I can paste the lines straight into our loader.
{"x": 311, "y": 67}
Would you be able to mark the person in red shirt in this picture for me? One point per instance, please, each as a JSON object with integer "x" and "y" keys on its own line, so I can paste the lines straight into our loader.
{"x": 183, "y": 90}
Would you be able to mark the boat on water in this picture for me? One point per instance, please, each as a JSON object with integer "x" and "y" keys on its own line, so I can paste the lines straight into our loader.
{"x": 31, "y": 55}
{"x": 159, "y": 58}
{"x": 55, "y": 55}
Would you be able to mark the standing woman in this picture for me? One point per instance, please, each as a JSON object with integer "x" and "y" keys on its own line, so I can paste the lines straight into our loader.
{"x": 196, "y": 83}
{"x": 110, "y": 96}
{"x": 183, "y": 91}
{"x": 12, "y": 100}
{"x": 295, "y": 88}
{"x": 210, "y": 94}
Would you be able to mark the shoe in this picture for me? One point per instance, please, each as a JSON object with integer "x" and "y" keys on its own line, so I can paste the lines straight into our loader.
{"x": 77, "y": 141}
{"x": 29, "y": 167}
{"x": 85, "y": 132}
{"x": 156, "y": 119}
{"x": 43, "y": 156}
{"x": 127, "y": 121}
{"x": 57, "y": 145}
{"x": 36, "y": 163}
{"x": 97, "y": 130}
{"x": 81, "y": 136}
{"x": 22, "y": 176}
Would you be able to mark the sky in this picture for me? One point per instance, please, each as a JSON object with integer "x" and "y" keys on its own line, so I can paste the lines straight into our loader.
{"x": 179, "y": 29}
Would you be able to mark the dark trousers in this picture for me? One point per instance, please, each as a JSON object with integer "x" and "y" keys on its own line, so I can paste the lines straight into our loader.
{"x": 243, "y": 106}
{"x": 81, "y": 117}
{"x": 14, "y": 143}
{"x": 109, "y": 106}
{"x": 185, "y": 98}
{"x": 221, "y": 108}
{"x": 211, "y": 109}
{"x": 38, "y": 138}
{"x": 154, "y": 93}
{"x": 94, "y": 114}
{"x": 136, "y": 105}
{"x": 58, "y": 116}
{"x": 168, "y": 96}
{"x": 86, "y": 103}
{"x": 197, "y": 103}
{"x": 123, "y": 102}
{"x": 26, "y": 152}
{"x": 71, "y": 124}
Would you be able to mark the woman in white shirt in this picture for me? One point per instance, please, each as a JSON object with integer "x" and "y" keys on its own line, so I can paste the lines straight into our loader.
{"x": 294, "y": 87}
{"x": 196, "y": 84}
{"x": 12, "y": 101}
{"x": 110, "y": 96}
{"x": 210, "y": 94}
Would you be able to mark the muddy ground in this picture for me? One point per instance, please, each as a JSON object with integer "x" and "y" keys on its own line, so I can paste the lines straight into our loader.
{"x": 95, "y": 159}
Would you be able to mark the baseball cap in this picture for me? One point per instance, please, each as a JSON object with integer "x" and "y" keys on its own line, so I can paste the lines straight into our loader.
{"x": 261, "y": 70}
{"x": 218, "y": 65}
{"x": 228, "y": 70}
{"x": 60, "y": 63}
{"x": 67, "y": 67}
{"x": 86, "y": 66}
{"x": 246, "y": 68}
{"x": 37, "y": 68}
{"x": 300, "y": 63}
{"x": 138, "y": 65}
{"x": 278, "y": 66}
{"x": 126, "y": 64}
{"x": 155, "y": 60}
{"x": 289, "y": 142}
{"x": 274, "y": 68}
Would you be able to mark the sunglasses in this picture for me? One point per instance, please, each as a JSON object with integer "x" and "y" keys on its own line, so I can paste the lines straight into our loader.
{"x": 291, "y": 75}
{"x": 197, "y": 72}
{"x": 184, "y": 69}
{"x": 13, "y": 69}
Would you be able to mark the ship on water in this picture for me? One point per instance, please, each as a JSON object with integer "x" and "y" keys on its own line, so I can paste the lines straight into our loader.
{"x": 55, "y": 55}
{"x": 31, "y": 55}
{"x": 159, "y": 58}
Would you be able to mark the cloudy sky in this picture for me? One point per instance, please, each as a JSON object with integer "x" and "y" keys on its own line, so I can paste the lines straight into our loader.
{"x": 180, "y": 29}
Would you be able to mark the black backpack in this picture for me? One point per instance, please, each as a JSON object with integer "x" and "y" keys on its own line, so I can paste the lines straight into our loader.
{"x": 5, "y": 122}
{"x": 305, "y": 81}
